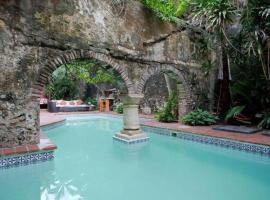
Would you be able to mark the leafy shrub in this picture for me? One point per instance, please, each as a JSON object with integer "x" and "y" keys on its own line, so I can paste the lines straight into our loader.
{"x": 92, "y": 101}
{"x": 170, "y": 112}
{"x": 164, "y": 116}
{"x": 265, "y": 123}
{"x": 199, "y": 117}
{"x": 63, "y": 88}
{"x": 166, "y": 10}
{"x": 119, "y": 108}
{"x": 236, "y": 110}
{"x": 182, "y": 8}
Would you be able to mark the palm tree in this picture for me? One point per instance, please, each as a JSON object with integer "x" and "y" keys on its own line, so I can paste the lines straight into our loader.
{"x": 216, "y": 17}
{"x": 256, "y": 29}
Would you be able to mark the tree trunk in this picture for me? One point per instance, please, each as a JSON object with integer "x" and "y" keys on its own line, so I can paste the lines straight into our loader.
{"x": 168, "y": 84}
{"x": 225, "y": 95}
{"x": 213, "y": 82}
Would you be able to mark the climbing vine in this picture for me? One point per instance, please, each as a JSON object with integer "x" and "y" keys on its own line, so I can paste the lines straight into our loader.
{"x": 164, "y": 9}
{"x": 169, "y": 10}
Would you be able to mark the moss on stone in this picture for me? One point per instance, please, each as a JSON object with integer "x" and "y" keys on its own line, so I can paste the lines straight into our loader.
{"x": 63, "y": 24}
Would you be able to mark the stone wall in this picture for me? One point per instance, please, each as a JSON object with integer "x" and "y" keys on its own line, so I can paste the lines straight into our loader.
{"x": 38, "y": 36}
{"x": 155, "y": 94}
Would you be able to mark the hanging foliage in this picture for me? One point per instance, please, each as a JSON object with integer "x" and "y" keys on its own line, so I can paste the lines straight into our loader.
{"x": 65, "y": 80}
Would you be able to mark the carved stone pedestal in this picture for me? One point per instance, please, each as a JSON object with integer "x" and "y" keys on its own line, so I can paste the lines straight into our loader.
{"x": 131, "y": 132}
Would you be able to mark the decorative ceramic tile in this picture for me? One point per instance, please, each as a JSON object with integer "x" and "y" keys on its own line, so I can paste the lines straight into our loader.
{"x": 226, "y": 143}
{"x": 25, "y": 159}
{"x": 135, "y": 141}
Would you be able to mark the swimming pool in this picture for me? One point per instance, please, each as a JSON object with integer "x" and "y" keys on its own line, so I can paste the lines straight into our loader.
{"x": 89, "y": 164}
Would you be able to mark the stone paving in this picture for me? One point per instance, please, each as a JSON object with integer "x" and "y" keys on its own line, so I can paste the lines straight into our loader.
{"x": 47, "y": 118}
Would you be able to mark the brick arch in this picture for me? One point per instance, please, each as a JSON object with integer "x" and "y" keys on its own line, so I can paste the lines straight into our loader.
{"x": 68, "y": 56}
{"x": 185, "y": 96}
{"x": 151, "y": 71}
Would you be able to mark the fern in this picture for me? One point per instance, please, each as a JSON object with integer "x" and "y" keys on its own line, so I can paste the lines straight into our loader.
{"x": 234, "y": 111}
{"x": 199, "y": 117}
{"x": 265, "y": 123}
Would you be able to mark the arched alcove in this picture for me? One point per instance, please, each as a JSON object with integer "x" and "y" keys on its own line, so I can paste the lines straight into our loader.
{"x": 182, "y": 86}
{"x": 52, "y": 63}
{"x": 45, "y": 72}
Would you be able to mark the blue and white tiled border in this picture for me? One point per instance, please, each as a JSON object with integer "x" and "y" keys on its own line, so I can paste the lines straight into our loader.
{"x": 25, "y": 159}
{"x": 226, "y": 143}
{"x": 134, "y": 141}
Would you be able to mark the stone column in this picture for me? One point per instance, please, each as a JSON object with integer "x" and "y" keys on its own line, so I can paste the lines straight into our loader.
{"x": 131, "y": 132}
{"x": 182, "y": 102}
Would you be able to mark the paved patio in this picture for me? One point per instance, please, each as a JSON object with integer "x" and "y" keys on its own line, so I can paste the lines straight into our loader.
{"x": 256, "y": 138}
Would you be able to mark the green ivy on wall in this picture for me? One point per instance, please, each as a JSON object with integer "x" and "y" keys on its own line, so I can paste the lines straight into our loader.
{"x": 168, "y": 10}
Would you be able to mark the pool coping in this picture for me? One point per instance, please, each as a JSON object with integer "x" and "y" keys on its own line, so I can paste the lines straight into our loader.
{"x": 191, "y": 136}
{"x": 24, "y": 155}
{"x": 45, "y": 144}
{"x": 263, "y": 150}
{"x": 27, "y": 154}
{"x": 258, "y": 138}
{"x": 52, "y": 123}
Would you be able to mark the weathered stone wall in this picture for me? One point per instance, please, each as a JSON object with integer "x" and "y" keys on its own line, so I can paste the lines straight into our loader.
{"x": 156, "y": 94}
{"x": 38, "y": 36}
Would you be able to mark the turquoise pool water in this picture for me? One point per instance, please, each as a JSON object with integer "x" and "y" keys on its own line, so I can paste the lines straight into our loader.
{"x": 90, "y": 165}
